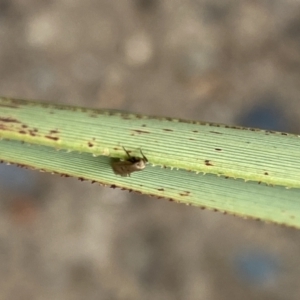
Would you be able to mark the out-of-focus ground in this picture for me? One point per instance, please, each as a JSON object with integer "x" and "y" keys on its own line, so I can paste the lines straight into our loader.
{"x": 227, "y": 61}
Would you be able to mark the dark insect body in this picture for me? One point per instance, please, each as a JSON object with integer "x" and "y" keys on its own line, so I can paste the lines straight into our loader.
{"x": 132, "y": 164}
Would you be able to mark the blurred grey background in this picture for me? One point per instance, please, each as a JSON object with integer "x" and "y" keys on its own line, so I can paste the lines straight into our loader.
{"x": 228, "y": 61}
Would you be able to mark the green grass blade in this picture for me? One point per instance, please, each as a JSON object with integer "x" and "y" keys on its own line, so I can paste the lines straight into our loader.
{"x": 249, "y": 154}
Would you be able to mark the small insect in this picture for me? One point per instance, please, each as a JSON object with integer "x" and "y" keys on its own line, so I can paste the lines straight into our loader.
{"x": 131, "y": 164}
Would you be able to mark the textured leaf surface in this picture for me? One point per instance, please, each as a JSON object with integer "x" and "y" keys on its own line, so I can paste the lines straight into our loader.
{"x": 250, "y": 199}
{"x": 87, "y": 138}
{"x": 250, "y": 154}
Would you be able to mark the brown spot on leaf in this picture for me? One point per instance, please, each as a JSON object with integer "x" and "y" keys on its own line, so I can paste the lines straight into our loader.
{"x": 218, "y": 149}
{"x": 54, "y": 131}
{"x": 9, "y": 120}
{"x": 54, "y": 138}
{"x": 195, "y": 131}
{"x": 161, "y": 190}
{"x": 185, "y": 193}
{"x": 270, "y": 131}
{"x": 266, "y": 173}
{"x": 140, "y": 131}
{"x": 22, "y": 132}
{"x": 208, "y": 163}
{"x": 166, "y": 129}
{"x": 32, "y": 133}
{"x": 90, "y": 144}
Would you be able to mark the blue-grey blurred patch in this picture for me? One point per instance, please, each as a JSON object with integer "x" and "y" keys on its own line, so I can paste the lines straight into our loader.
{"x": 267, "y": 115}
{"x": 17, "y": 179}
{"x": 256, "y": 267}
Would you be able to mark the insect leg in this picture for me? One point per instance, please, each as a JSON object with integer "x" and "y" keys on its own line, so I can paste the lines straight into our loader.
{"x": 144, "y": 157}
{"x": 126, "y": 152}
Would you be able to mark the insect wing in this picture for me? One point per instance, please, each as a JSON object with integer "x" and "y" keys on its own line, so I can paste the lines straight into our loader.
{"x": 125, "y": 167}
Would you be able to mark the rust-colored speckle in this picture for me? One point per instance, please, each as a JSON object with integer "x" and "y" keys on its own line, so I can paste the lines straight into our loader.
{"x": 22, "y": 132}
{"x": 64, "y": 175}
{"x": 185, "y": 193}
{"x": 24, "y": 126}
{"x": 266, "y": 173}
{"x": 54, "y": 138}
{"x": 90, "y": 144}
{"x": 53, "y": 131}
{"x": 161, "y": 190}
{"x": 32, "y": 133}
{"x": 208, "y": 163}
{"x": 218, "y": 149}
{"x": 140, "y": 131}
{"x": 216, "y": 132}
{"x": 9, "y": 120}
{"x": 166, "y": 129}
